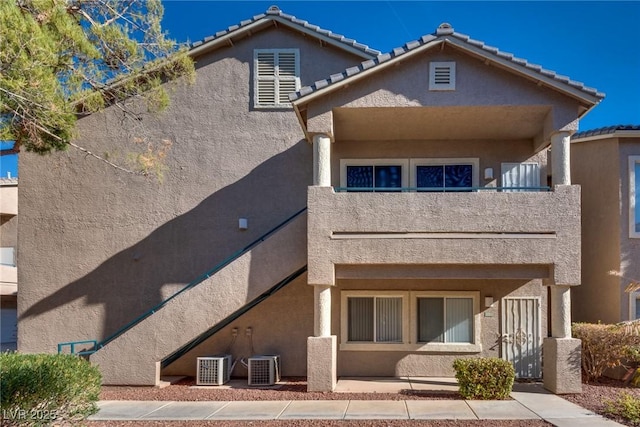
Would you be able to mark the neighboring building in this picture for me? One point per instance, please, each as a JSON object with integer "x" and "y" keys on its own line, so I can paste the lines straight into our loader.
{"x": 8, "y": 268}
{"x": 606, "y": 164}
{"x": 413, "y": 185}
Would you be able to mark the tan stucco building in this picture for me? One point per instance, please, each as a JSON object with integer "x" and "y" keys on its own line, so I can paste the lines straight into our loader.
{"x": 356, "y": 213}
{"x": 8, "y": 266}
{"x": 606, "y": 164}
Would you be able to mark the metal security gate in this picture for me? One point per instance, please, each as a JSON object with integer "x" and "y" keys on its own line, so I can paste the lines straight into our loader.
{"x": 521, "y": 341}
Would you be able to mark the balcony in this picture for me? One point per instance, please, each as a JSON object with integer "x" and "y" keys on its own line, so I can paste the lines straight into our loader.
{"x": 436, "y": 234}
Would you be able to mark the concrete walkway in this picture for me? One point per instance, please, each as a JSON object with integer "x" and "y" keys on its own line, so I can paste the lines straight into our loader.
{"x": 530, "y": 401}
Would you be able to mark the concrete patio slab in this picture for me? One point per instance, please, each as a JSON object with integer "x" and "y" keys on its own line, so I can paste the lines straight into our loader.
{"x": 500, "y": 410}
{"x": 372, "y": 385}
{"x": 185, "y": 411}
{"x": 583, "y": 422}
{"x": 377, "y": 410}
{"x": 315, "y": 409}
{"x": 433, "y": 383}
{"x": 439, "y": 410}
{"x": 255, "y": 410}
{"x": 125, "y": 409}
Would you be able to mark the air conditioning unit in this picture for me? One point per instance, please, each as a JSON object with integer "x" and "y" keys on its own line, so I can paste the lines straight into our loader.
{"x": 214, "y": 370}
{"x": 264, "y": 369}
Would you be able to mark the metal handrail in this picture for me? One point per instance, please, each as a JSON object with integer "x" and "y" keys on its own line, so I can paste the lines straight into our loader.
{"x": 72, "y": 346}
{"x": 190, "y": 285}
{"x": 434, "y": 189}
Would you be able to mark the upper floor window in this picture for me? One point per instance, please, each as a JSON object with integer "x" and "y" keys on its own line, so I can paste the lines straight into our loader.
{"x": 374, "y": 174}
{"x": 634, "y": 196}
{"x": 445, "y": 174}
{"x": 442, "y": 75}
{"x": 276, "y": 75}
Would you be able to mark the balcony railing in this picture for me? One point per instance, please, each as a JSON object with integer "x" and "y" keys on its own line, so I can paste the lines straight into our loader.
{"x": 435, "y": 189}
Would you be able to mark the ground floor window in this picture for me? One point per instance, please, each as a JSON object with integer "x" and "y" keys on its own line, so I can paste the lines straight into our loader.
{"x": 410, "y": 321}
{"x": 375, "y": 319}
{"x": 445, "y": 319}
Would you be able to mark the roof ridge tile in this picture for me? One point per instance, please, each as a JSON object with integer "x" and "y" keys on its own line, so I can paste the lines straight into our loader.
{"x": 274, "y": 12}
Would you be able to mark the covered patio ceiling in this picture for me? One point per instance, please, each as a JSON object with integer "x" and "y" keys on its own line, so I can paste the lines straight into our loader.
{"x": 440, "y": 123}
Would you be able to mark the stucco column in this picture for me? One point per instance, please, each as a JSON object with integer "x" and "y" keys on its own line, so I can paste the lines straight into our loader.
{"x": 560, "y": 311}
{"x": 322, "y": 349}
{"x": 562, "y": 372}
{"x": 322, "y": 318}
{"x": 561, "y": 158}
{"x": 322, "y": 160}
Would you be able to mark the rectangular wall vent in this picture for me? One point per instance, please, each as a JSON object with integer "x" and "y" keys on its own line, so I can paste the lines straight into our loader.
{"x": 442, "y": 76}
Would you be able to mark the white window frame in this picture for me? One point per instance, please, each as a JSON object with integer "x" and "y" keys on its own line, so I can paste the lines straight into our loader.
{"x": 410, "y": 323}
{"x": 474, "y": 161}
{"x": 633, "y": 203}
{"x": 475, "y": 346}
{"x": 359, "y": 345}
{"x": 433, "y": 84}
{"x": 404, "y": 163}
{"x": 276, "y": 78}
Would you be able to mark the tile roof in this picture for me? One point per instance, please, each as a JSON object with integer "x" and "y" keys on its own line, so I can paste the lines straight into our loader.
{"x": 274, "y": 13}
{"x": 8, "y": 181}
{"x": 444, "y": 32}
{"x": 606, "y": 130}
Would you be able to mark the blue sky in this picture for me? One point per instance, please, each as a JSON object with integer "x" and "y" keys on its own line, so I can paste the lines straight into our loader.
{"x": 597, "y": 43}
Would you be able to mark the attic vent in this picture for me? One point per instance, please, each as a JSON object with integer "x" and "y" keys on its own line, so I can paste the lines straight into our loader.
{"x": 442, "y": 76}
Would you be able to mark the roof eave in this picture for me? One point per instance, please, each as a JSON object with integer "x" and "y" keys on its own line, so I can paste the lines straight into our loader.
{"x": 269, "y": 19}
{"x": 582, "y": 96}
{"x": 620, "y": 133}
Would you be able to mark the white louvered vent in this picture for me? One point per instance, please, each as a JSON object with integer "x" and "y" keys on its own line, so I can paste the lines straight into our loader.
{"x": 277, "y": 74}
{"x": 214, "y": 370}
{"x": 264, "y": 370}
{"x": 442, "y": 76}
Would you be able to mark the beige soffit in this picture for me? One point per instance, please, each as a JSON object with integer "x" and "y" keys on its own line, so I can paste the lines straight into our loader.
{"x": 446, "y": 34}
{"x": 274, "y": 16}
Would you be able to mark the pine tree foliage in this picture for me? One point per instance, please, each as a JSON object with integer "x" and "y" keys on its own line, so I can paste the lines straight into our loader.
{"x": 62, "y": 58}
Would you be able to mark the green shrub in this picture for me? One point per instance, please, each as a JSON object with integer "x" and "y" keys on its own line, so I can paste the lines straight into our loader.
{"x": 484, "y": 378}
{"x": 626, "y": 406}
{"x": 40, "y": 389}
{"x": 607, "y": 346}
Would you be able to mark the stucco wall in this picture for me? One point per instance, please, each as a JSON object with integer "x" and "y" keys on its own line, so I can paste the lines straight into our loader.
{"x": 8, "y": 197}
{"x": 280, "y": 325}
{"x": 101, "y": 246}
{"x": 601, "y": 167}
{"x": 595, "y": 166}
{"x": 629, "y": 247}
{"x": 402, "y": 363}
{"x": 8, "y": 231}
{"x": 544, "y": 229}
